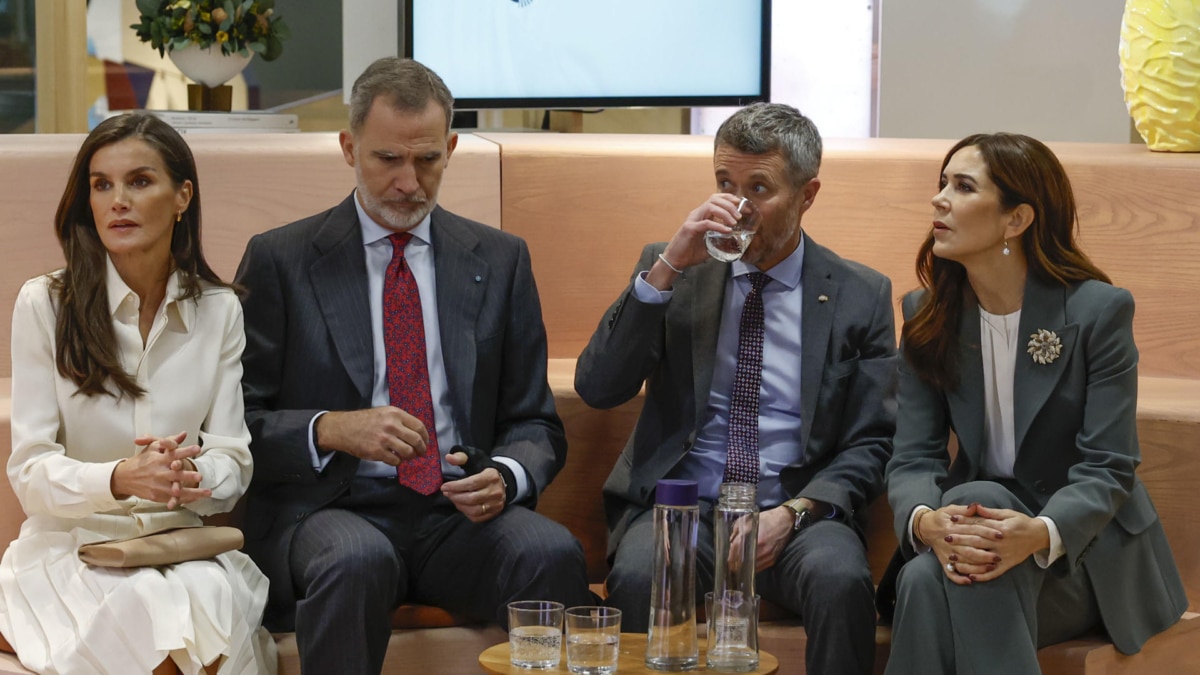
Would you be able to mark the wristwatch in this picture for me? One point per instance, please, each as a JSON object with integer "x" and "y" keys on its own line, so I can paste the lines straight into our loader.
{"x": 803, "y": 516}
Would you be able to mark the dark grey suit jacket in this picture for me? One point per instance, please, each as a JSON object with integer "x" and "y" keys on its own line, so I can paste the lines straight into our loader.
{"x": 1077, "y": 449}
{"x": 848, "y": 375}
{"x": 309, "y": 348}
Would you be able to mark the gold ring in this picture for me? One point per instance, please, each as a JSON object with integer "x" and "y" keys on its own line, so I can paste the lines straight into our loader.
{"x": 483, "y": 509}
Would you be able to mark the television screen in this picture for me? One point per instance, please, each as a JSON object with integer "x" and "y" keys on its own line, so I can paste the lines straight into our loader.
{"x": 594, "y": 53}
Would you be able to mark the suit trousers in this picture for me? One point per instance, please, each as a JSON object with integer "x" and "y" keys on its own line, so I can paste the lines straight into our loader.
{"x": 991, "y": 627}
{"x": 381, "y": 544}
{"x": 822, "y": 575}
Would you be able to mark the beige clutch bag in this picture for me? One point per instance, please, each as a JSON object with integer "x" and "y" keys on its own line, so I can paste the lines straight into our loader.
{"x": 163, "y": 548}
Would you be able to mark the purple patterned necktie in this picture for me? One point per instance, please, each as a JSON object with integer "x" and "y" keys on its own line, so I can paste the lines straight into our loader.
{"x": 407, "y": 369}
{"x": 741, "y": 465}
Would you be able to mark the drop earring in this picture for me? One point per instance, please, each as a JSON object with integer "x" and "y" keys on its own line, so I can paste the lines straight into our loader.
{"x": 1006, "y": 249}
{"x": 179, "y": 217}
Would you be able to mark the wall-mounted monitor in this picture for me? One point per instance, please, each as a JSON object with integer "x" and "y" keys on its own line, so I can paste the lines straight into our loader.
{"x": 594, "y": 53}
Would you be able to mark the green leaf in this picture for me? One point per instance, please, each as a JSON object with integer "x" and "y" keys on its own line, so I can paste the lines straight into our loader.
{"x": 204, "y": 28}
{"x": 150, "y": 7}
{"x": 274, "y": 49}
{"x": 180, "y": 42}
{"x": 281, "y": 29}
{"x": 226, "y": 23}
{"x": 258, "y": 47}
{"x": 264, "y": 5}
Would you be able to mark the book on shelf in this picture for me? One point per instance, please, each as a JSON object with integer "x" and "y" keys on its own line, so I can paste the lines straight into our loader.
{"x": 240, "y": 121}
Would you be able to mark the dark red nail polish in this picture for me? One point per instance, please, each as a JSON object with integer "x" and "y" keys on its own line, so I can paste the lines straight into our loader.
{"x": 996, "y": 558}
{"x": 949, "y": 539}
{"x": 954, "y": 519}
{"x": 953, "y": 557}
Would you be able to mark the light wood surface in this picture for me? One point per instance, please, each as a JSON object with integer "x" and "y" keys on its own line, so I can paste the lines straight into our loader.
{"x": 632, "y": 659}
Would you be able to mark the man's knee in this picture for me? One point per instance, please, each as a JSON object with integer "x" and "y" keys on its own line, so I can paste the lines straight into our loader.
{"x": 364, "y": 560}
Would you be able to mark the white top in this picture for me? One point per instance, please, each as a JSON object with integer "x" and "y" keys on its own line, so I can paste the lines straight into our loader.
{"x": 998, "y": 345}
{"x": 65, "y": 446}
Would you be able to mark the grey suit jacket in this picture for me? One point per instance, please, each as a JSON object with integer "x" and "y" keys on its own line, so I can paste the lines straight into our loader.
{"x": 848, "y": 374}
{"x": 1077, "y": 449}
{"x": 309, "y": 348}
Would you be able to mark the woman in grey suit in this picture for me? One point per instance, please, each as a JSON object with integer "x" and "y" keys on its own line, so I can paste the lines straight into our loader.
{"x": 1037, "y": 529}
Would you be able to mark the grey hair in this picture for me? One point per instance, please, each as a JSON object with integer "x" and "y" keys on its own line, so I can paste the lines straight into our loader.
{"x": 408, "y": 86}
{"x": 761, "y": 128}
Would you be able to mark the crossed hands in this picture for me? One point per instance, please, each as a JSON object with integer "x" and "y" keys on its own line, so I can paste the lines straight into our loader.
{"x": 161, "y": 471}
{"x": 390, "y": 435}
{"x": 976, "y": 543}
{"x": 718, "y": 213}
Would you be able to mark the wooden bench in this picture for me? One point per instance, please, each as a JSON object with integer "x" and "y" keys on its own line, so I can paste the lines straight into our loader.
{"x": 587, "y": 203}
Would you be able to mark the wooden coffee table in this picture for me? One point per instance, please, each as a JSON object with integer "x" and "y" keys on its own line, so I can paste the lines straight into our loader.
{"x": 632, "y": 660}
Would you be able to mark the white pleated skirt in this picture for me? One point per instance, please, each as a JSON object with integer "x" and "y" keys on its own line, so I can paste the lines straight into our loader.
{"x": 65, "y": 617}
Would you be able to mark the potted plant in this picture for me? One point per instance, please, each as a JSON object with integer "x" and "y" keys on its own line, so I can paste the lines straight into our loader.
{"x": 211, "y": 41}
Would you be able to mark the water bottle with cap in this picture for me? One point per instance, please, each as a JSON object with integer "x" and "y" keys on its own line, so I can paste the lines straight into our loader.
{"x": 733, "y": 616}
{"x": 671, "y": 642}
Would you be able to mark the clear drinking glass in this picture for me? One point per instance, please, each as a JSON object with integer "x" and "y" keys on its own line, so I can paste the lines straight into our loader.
{"x": 535, "y": 633}
{"x": 732, "y": 632}
{"x": 730, "y": 247}
{"x": 593, "y": 640}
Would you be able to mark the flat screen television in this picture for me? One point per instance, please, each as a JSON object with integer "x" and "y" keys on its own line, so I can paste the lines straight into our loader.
{"x": 566, "y": 54}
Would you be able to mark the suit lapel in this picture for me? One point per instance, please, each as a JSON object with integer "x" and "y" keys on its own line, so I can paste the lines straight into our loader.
{"x": 462, "y": 278}
{"x": 966, "y": 402}
{"x": 816, "y": 322}
{"x": 1043, "y": 308}
{"x": 339, "y": 282}
{"x": 708, "y": 301}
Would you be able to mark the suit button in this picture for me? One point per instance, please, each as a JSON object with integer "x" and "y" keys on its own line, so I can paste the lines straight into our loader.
{"x": 300, "y": 516}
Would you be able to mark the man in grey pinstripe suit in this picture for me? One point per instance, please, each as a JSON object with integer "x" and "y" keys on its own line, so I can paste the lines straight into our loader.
{"x": 341, "y": 540}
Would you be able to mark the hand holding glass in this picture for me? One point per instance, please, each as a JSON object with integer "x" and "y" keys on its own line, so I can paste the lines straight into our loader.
{"x": 535, "y": 633}
{"x": 593, "y": 640}
{"x": 730, "y": 247}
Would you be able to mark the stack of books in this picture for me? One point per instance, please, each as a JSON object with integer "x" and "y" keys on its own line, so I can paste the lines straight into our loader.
{"x": 242, "y": 121}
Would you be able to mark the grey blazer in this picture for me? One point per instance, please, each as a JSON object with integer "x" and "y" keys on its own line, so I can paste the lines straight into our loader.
{"x": 309, "y": 348}
{"x": 1077, "y": 449}
{"x": 848, "y": 374}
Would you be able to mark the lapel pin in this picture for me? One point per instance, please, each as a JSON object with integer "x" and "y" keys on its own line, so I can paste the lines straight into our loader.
{"x": 1044, "y": 347}
{"x": 478, "y": 278}
{"x": 822, "y": 298}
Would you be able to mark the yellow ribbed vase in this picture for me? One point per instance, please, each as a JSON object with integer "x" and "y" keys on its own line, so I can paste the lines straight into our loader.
{"x": 1160, "y": 72}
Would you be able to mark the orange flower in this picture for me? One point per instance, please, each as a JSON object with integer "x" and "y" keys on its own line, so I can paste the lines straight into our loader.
{"x": 219, "y": 15}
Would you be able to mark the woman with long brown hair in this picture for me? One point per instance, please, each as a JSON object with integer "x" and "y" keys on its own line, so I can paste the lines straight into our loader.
{"x": 1038, "y": 529}
{"x": 127, "y": 420}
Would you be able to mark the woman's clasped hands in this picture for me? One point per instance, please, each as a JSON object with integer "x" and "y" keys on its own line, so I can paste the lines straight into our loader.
{"x": 161, "y": 471}
{"x": 976, "y": 543}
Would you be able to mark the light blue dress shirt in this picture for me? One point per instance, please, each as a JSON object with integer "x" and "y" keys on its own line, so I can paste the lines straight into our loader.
{"x": 779, "y": 420}
{"x": 418, "y": 253}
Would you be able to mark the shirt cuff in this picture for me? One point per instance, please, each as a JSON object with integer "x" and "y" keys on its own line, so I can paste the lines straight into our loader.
{"x": 519, "y": 473}
{"x": 1046, "y": 557}
{"x": 320, "y": 458}
{"x": 95, "y": 481}
{"x": 648, "y": 294}
{"x": 912, "y": 536}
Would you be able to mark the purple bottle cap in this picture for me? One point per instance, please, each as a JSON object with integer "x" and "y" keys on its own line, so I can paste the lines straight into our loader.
{"x": 673, "y": 492}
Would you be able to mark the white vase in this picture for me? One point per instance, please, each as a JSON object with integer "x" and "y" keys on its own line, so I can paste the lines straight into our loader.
{"x": 209, "y": 66}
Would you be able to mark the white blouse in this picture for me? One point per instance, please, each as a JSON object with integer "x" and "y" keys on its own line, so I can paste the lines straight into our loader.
{"x": 998, "y": 344}
{"x": 65, "y": 446}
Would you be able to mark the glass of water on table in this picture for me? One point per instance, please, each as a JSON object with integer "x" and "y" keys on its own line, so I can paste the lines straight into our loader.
{"x": 535, "y": 633}
{"x": 593, "y": 640}
{"x": 730, "y": 247}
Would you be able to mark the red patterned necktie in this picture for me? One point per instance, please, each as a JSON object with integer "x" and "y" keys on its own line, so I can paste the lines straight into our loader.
{"x": 741, "y": 464}
{"x": 407, "y": 369}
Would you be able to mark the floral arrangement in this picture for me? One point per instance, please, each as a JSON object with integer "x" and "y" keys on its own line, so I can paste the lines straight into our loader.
{"x": 237, "y": 26}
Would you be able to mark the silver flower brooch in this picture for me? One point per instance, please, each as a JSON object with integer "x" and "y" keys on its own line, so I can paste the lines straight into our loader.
{"x": 1044, "y": 346}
